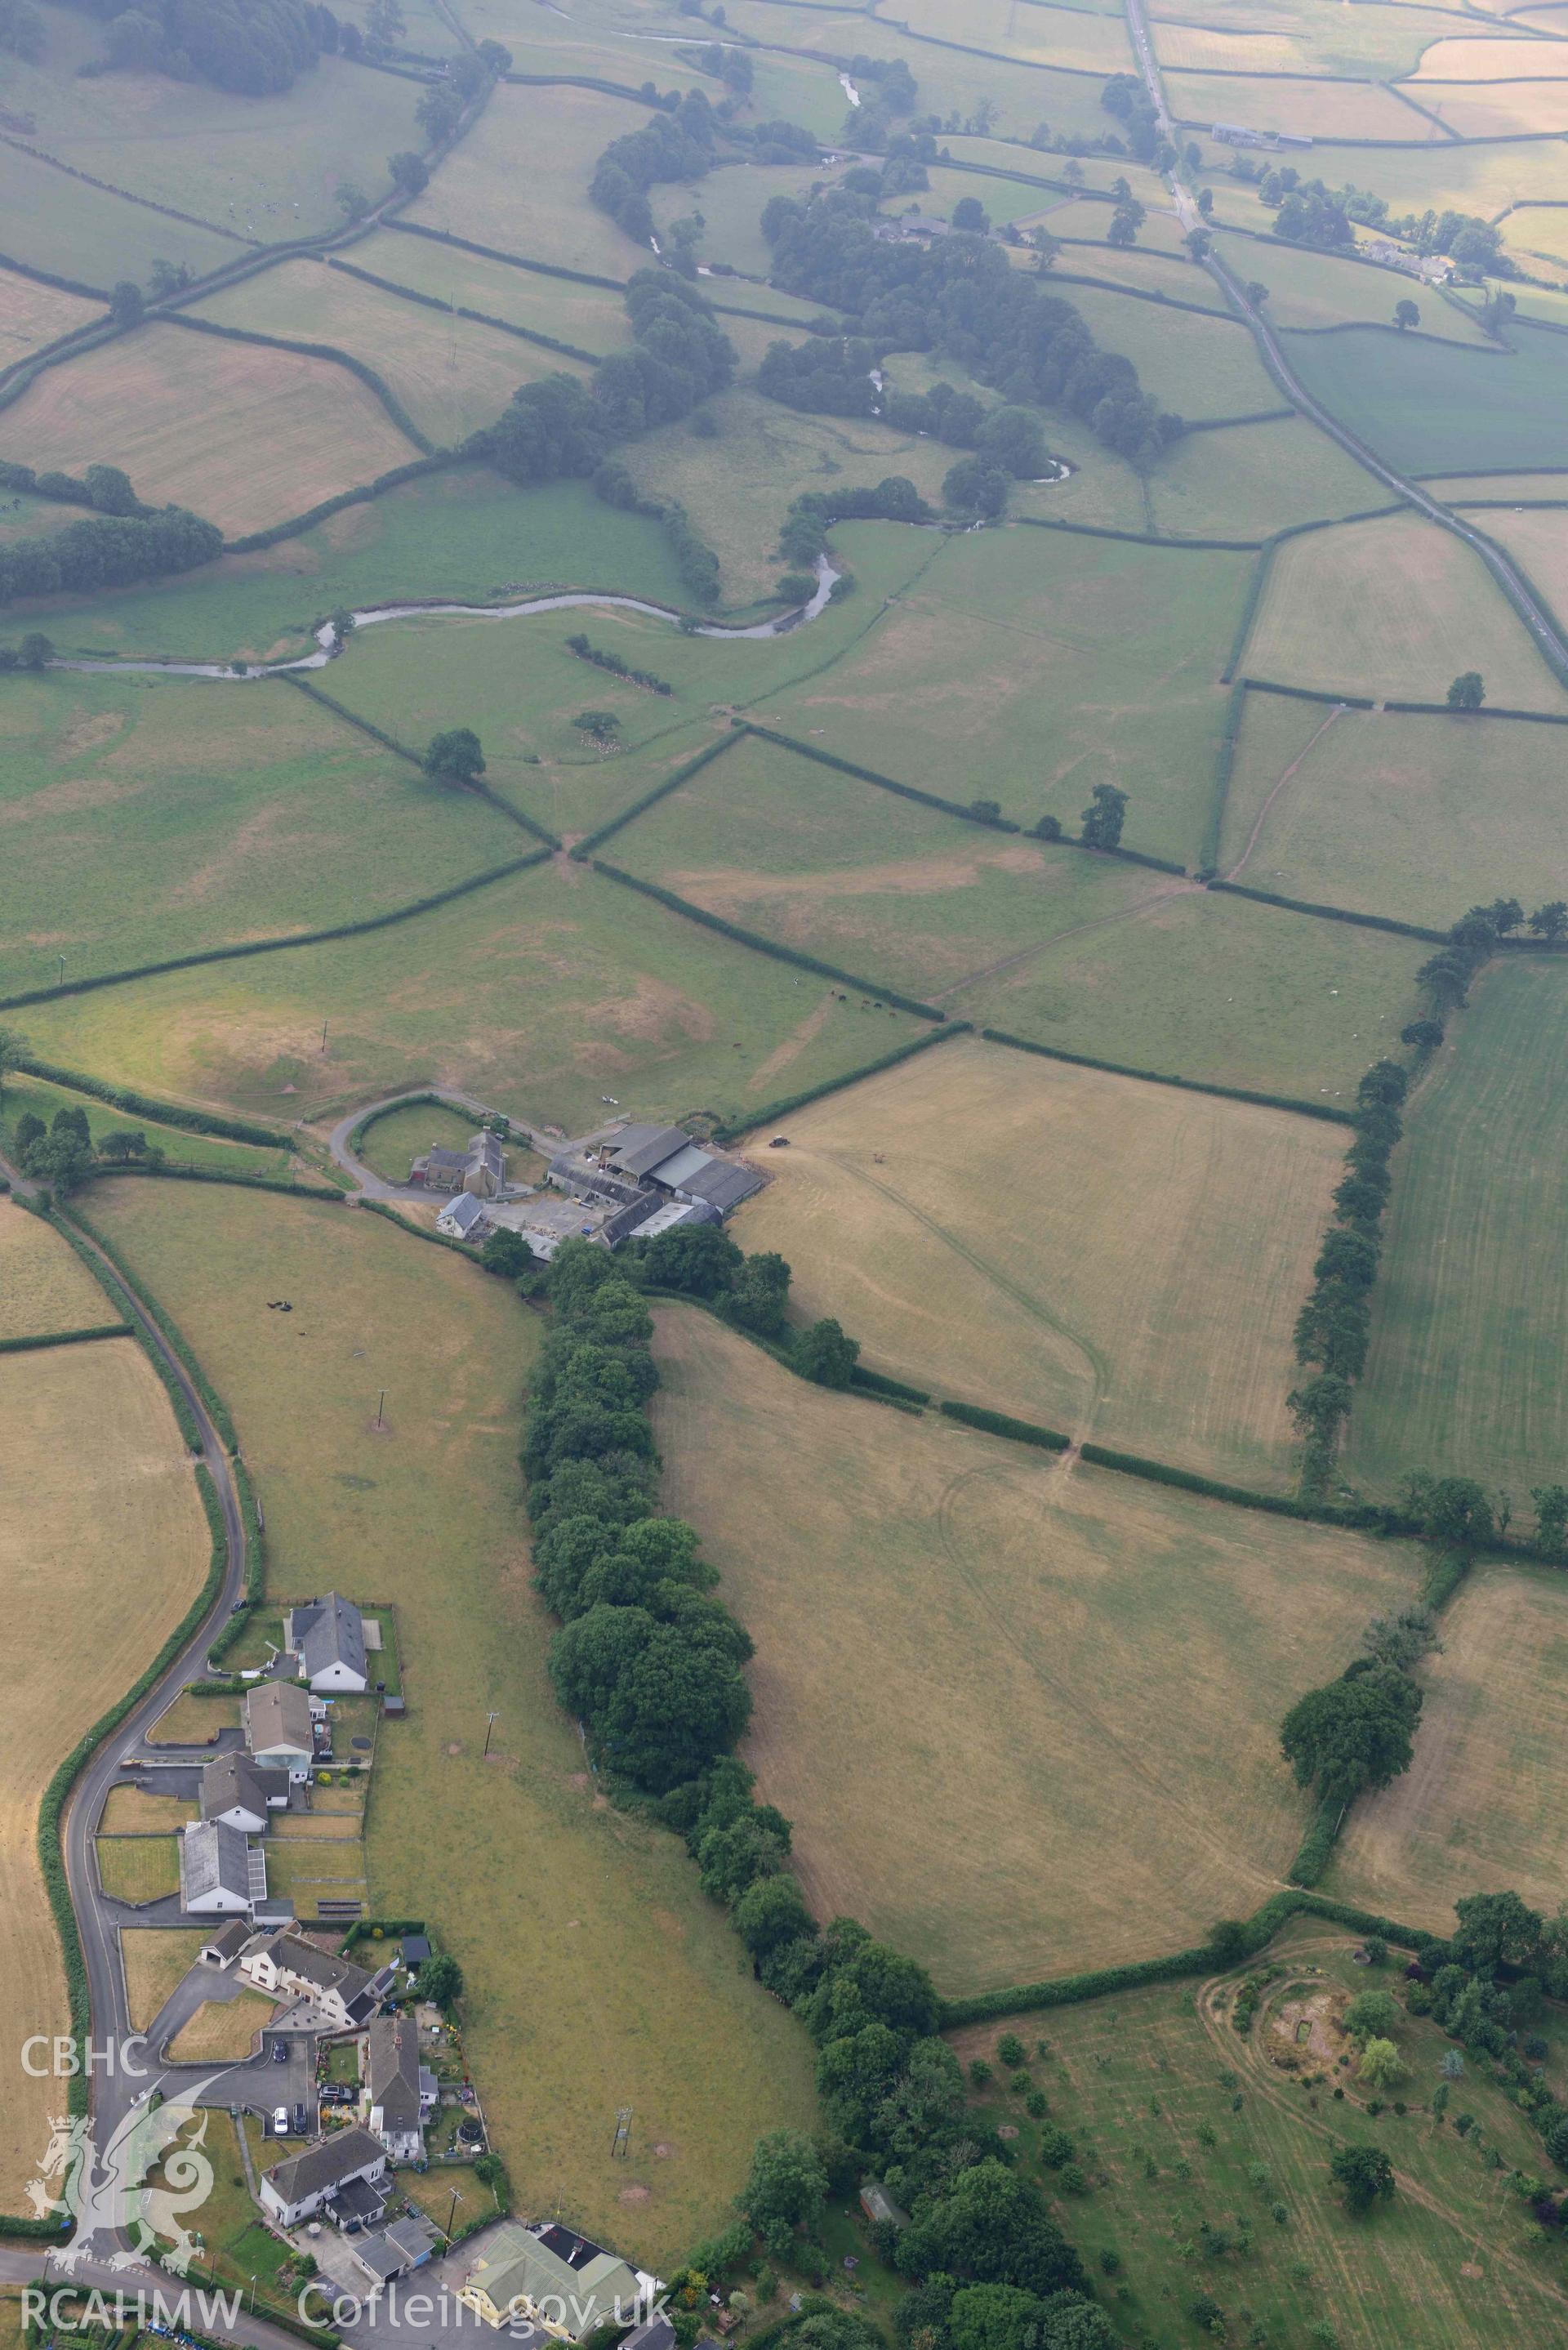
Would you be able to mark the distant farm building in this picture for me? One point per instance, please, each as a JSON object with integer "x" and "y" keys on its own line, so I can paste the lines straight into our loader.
{"x": 480, "y": 1170}
{"x": 654, "y": 1178}
{"x": 1242, "y": 134}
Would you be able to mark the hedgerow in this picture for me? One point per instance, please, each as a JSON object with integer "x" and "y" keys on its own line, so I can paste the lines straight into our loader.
{"x": 871, "y": 775}
{"x": 66, "y": 1337}
{"x": 161, "y": 1113}
{"x": 582, "y": 850}
{"x": 217, "y": 1410}
{"x": 770, "y": 1112}
{"x": 1164, "y": 1078}
{"x": 1329, "y": 913}
{"x": 1002, "y": 1423}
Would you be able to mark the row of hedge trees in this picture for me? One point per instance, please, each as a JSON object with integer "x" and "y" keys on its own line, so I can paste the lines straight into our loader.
{"x": 112, "y": 551}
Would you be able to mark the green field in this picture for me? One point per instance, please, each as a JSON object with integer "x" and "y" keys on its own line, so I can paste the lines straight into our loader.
{"x": 1004, "y": 674}
{"x": 461, "y": 535}
{"x": 592, "y": 317}
{"x": 489, "y": 191}
{"x": 1199, "y": 366}
{"x": 59, "y": 223}
{"x": 1393, "y": 814}
{"x": 553, "y": 989}
{"x": 730, "y": 202}
{"x": 1252, "y": 479}
{"x": 1394, "y": 606}
{"x": 1170, "y": 2108}
{"x": 1309, "y": 289}
{"x": 1464, "y": 1375}
{"x": 1435, "y": 409}
{"x": 934, "y": 1612}
{"x": 1214, "y": 988}
{"x": 395, "y": 1141}
{"x": 625, "y": 1990}
{"x": 23, "y": 1094}
{"x": 151, "y": 818}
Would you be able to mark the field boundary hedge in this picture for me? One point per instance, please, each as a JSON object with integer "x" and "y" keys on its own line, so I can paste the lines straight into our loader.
{"x": 277, "y": 946}
{"x": 1364, "y": 1517}
{"x": 1164, "y": 1078}
{"x": 1224, "y": 423}
{"x": 126, "y": 195}
{"x": 173, "y": 1172}
{"x": 1002, "y": 1423}
{"x": 217, "y": 1410}
{"x": 51, "y": 278}
{"x": 770, "y": 1112}
{"x": 1442, "y": 710}
{"x": 175, "y": 1114}
{"x": 401, "y": 750}
{"x": 119, "y": 1297}
{"x": 356, "y": 367}
{"x": 760, "y": 945}
{"x": 482, "y": 317}
{"x": 1133, "y": 293}
{"x": 1330, "y": 913}
{"x": 582, "y": 850}
{"x": 254, "y": 541}
{"x": 1224, "y": 762}
{"x": 1140, "y": 537}
{"x": 497, "y": 253}
{"x": 420, "y": 1232}
{"x": 66, "y": 1337}
{"x": 1314, "y": 694}
{"x": 871, "y": 775}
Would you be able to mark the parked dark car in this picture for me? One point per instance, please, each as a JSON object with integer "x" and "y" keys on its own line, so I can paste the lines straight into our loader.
{"x": 280, "y": 2052}
{"x": 299, "y": 2120}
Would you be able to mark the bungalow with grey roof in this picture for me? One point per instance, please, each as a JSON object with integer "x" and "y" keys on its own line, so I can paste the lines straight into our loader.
{"x": 298, "y": 2187}
{"x": 236, "y": 1793}
{"x": 395, "y": 2108}
{"x": 218, "y": 1871}
{"x": 328, "y": 1636}
{"x": 279, "y": 1731}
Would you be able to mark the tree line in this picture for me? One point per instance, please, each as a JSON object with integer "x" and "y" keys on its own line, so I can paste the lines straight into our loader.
{"x": 254, "y": 48}
{"x": 963, "y": 294}
{"x": 111, "y": 552}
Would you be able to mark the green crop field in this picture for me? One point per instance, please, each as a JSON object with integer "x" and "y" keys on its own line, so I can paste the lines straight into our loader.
{"x": 1463, "y": 1375}
{"x": 1439, "y": 410}
{"x": 907, "y": 896}
{"x": 1478, "y": 1809}
{"x": 1250, "y": 479}
{"x": 1181, "y": 2123}
{"x": 1004, "y": 674}
{"x": 153, "y": 817}
{"x": 986, "y": 1588}
{"x": 461, "y": 535}
{"x": 425, "y": 1509}
{"x": 1394, "y": 606}
{"x": 1389, "y": 813}
{"x": 1080, "y": 1261}
{"x": 451, "y": 374}
{"x": 555, "y": 988}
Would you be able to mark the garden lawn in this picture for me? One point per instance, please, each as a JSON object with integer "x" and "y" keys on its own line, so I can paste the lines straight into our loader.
{"x": 967, "y": 1686}
{"x": 628, "y": 1989}
{"x": 43, "y": 1286}
{"x": 460, "y": 536}
{"x": 1117, "y": 1260}
{"x": 554, "y": 989}
{"x": 153, "y": 817}
{"x": 145, "y": 1810}
{"x": 1464, "y": 1373}
{"x": 395, "y": 1141}
{"x": 1182, "y": 2123}
{"x": 221, "y": 2030}
{"x": 1391, "y": 813}
{"x": 452, "y": 375}
{"x": 243, "y": 435}
{"x": 139, "y": 1868}
{"x": 1431, "y": 408}
{"x": 1481, "y": 1808}
{"x": 156, "y": 1961}
{"x": 1250, "y": 480}
{"x": 1004, "y": 674}
{"x": 1394, "y": 607}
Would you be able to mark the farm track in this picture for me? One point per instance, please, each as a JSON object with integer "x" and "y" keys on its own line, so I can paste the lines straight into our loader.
{"x": 1078, "y": 931}
{"x": 1252, "y": 837}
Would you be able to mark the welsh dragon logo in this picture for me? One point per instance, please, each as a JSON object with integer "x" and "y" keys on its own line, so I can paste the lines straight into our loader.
{"x": 128, "y": 2199}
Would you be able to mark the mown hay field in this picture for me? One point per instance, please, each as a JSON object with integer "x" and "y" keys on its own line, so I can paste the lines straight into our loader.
{"x": 1539, "y": 540}
{"x": 1004, "y": 674}
{"x": 1526, "y": 109}
{"x": 1089, "y": 44}
{"x": 148, "y": 817}
{"x": 1433, "y": 409}
{"x": 592, "y": 317}
{"x": 462, "y": 536}
{"x": 1248, "y": 480}
{"x": 1481, "y": 1808}
{"x": 1317, "y": 289}
{"x": 43, "y": 1286}
{"x": 156, "y": 1960}
{"x": 625, "y": 1990}
{"x": 1198, "y": 365}
{"x": 59, "y": 223}
{"x": 495, "y": 189}
{"x": 241, "y": 434}
{"x": 904, "y": 896}
{"x": 1303, "y": 39}
{"x": 1392, "y": 607}
{"x": 1465, "y": 1371}
{"x": 1145, "y": 266}
{"x": 1045, "y": 1668}
{"x": 1182, "y": 2121}
{"x": 1388, "y": 813}
{"x": 451, "y": 374}
{"x": 1303, "y": 107}
{"x": 32, "y": 315}
{"x": 103, "y": 1548}
{"x": 1120, "y": 1261}
{"x": 552, "y": 989}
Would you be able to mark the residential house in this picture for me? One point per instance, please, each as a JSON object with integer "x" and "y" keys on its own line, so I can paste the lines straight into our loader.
{"x": 479, "y": 1171}
{"x": 237, "y": 1794}
{"x": 655, "y": 2333}
{"x": 328, "y": 1636}
{"x": 279, "y": 1732}
{"x": 463, "y": 1219}
{"x": 521, "y": 2277}
{"x": 297, "y": 2188}
{"x": 217, "y": 1877}
{"x": 395, "y": 2101}
{"x": 289, "y": 1966}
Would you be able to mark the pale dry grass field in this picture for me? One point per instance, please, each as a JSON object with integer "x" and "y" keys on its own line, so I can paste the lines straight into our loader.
{"x": 1539, "y": 538}
{"x": 103, "y": 1546}
{"x": 32, "y": 315}
{"x": 1025, "y": 1719}
{"x": 1117, "y": 1260}
{"x": 44, "y": 1284}
{"x": 1302, "y": 105}
{"x": 1394, "y": 607}
{"x": 223, "y": 2029}
{"x": 139, "y": 1868}
{"x": 1504, "y": 109}
{"x": 156, "y": 1959}
{"x": 242, "y": 435}
{"x": 140, "y": 1811}
{"x": 1481, "y": 1808}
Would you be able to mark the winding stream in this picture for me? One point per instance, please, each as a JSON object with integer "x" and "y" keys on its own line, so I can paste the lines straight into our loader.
{"x": 329, "y": 649}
